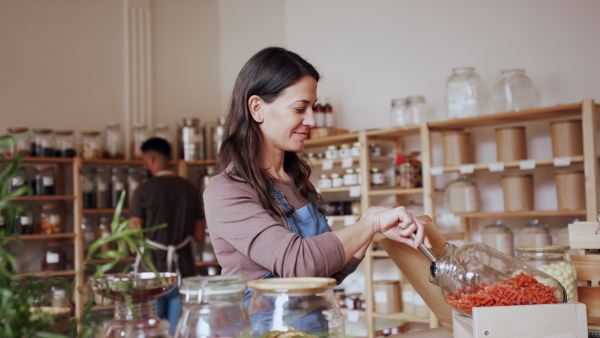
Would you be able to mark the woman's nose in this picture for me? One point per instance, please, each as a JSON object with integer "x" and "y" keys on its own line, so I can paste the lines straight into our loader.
{"x": 309, "y": 118}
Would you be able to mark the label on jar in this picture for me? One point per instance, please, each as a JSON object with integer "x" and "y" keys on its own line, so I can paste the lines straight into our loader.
{"x": 17, "y": 181}
{"x": 337, "y": 182}
{"x": 355, "y": 191}
{"x": 102, "y": 186}
{"x": 347, "y": 162}
{"x": 496, "y": 167}
{"x": 25, "y": 220}
{"x": 353, "y": 316}
{"x": 331, "y": 154}
{"x": 355, "y": 151}
{"x": 119, "y": 186}
{"x": 55, "y": 219}
{"x": 375, "y": 151}
{"x": 377, "y": 179}
{"x": 381, "y": 297}
{"x": 325, "y": 183}
{"x": 48, "y": 181}
{"x": 327, "y": 164}
{"x": 52, "y": 258}
{"x": 105, "y": 234}
{"x": 345, "y": 153}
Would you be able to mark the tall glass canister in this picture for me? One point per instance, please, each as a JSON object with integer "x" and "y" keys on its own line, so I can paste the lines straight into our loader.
{"x": 464, "y": 94}
{"x": 114, "y": 141}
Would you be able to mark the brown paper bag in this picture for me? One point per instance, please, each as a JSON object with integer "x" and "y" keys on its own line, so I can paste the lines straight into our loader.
{"x": 415, "y": 266}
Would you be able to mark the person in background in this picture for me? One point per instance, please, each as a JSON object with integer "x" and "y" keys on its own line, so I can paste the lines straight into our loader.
{"x": 168, "y": 198}
{"x": 264, "y": 215}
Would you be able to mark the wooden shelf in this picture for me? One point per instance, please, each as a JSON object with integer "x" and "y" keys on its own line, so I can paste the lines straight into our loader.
{"x": 534, "y": 213}
{"x": 380, "y": 254}
{"x": 333, "y": 190}
{"x": 401, "y": 316}
{"x": 345, "y": 311}
{"x": 336, "y": 139}
{"x": 394, "y": 132}
{"x": 546, "y": 113}
{"x": 112, "y": 161}
{"x": 50, "y": 236}
{"x": 57, "y": 160}
{"x": 45, "y": 198}
{"x": 337, "y": 161}
{"x": 394, "y": 191}
{"x": 215, "y": 263}
{"x": 514, "y": 164}
{"x": 42, "y": 274}
{"x": 102, "y": 308}
{"x": 103, "y": 211}
{"x": 102, "y": 261}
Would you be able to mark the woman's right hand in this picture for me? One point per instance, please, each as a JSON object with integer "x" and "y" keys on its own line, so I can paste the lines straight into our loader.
{"x": 398, "y": 224}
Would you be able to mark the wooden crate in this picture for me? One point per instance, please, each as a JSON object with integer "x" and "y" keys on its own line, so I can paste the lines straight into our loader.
{"x": 584, "y": 235}
{"x": 549, "y": 320}
{"x": 588, "y": 272}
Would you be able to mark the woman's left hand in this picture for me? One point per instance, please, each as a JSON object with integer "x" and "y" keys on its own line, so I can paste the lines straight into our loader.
{"x": 398, "y": 224}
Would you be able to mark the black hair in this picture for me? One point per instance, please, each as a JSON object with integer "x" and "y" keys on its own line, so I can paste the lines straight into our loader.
{"x": 157, "y": 145}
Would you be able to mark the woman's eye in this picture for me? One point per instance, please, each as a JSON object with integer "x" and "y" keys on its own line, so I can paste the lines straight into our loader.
{"x": 300, "y": 110}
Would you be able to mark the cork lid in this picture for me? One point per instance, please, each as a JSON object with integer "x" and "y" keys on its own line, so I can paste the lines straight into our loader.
{"x": 294, "y": 286}
{"x": 546, "y": 248}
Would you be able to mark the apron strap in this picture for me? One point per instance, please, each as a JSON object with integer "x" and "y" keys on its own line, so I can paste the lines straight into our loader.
{"x": 172, "y": 256}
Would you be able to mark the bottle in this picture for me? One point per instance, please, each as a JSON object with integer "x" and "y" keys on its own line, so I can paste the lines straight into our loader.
{"x": 24, "y": 224}
{"x": 462, "y": 195}
{"x": 43, "y": 183}
{"x": 133, "y": 182}
{"x": 398, "y": 114}
{"x": 140, "y": 135}
{"x": 377, "y": 177}
{"x": 89, "y": 193}
{"x": 328, "y": 109}
{"x": 319, "y": 115}
{"x": 192, "y": 140}
{"x": 114, "y": 141}
{"x": 534, "y": 234}
{"x": 408, "y": 171}
{"x": 54, "y": 258}
{"x": 48, "y": 220}
{"x": 65, "y": 144}
{"x": 18, "y": 180}
{"x": 89, "y": 233}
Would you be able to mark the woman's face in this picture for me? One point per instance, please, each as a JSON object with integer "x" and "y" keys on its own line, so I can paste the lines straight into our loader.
{"x": 286, "y": 121}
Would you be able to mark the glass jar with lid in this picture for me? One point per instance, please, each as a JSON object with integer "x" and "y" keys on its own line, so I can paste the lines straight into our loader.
{"x": 18, "y": 180}
{"x": 65, "y": 144}
{"x": 398, "y": 113}
{"x": 43, "y": 143}
{"x": 48, "y": 220}
{"x": 212, "y": 306}
{"x": 103, "y": 231}
{"x": 332, "y": 153}
{"x": 355, "y": 150}
{"x": 462, "y": 195}
{"x": 498, "y": 236}
{"x": 534, "y": 234}
{"x": 377, "y": 177}
{"x": 350, "y": 177}
{"x": 344, "y": 151}
{"x": 118, "y": 182}
{"x": 324, "y": 182}
{"x": 101, "y": 182}
{"x": 134, "y": 180}
{"x": 336, "y": 180}
{"x": 44, "y": 182}
{"x": 300, "y": 306}
{"x": 24, "y": 224}
{"x": 21, "y": 144}
{"x": 162, "y": 131}
{"x": 416, "y": 110}
{"x": 192, "y": 140}
{"x": 464, "y": 93}
{"x": 514, "y": 91}
{"x": 553, "y": 260}
{"x": 55, "y": 258}
{"x": 139, "y": 135}
{"x": 408, "y": 171}
{"x": 91, "y": 145}
{"x": 114, "y": 141}
{"x": 89, "y": 231}
{"x": 89, "y": 193}
{"x": 375, "y": 149}
{"x": 55, "y": 302}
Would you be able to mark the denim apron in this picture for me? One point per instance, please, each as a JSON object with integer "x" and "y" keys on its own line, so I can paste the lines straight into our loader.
{"x": 306, "y": 222}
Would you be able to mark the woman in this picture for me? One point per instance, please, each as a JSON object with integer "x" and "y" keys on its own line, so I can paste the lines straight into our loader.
{"x": 264, "y": 216}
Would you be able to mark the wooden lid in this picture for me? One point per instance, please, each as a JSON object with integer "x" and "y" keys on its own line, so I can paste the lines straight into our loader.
{"x": 544, "y": 248}
{"x": 303, "y": 284}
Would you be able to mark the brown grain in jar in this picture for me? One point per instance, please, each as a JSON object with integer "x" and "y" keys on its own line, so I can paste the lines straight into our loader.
{"x": 511, "y": 144}
{"x": 518, "y": 192}
{"x": 570, "y": 189}
{"x": 566, "y": 138}
{"x": 457, "y": 148}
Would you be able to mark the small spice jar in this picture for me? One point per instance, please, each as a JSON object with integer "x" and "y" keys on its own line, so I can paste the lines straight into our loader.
{"x": 43, "y": 183}
{"x": 375, "y": 149}
{"x": 65, "y": 144}
{"x": 570, "y": 189}
{"x": 462, "y": 195}
{"x": 117, "y": 185}
{"x": 54, "y": 257}
{"x": 534, "y": 234}
{"x": 408, "y": 171}
{"x": 332, "y": 153}
{"x": 355, "y": 150}
{"x": 344, "y": 151}
{"x": 48, "y": 220}
{"x": 21, "y": 144}
{"x": 43, "y": 143}
{"x": 499, "y": 236}
{"x": 336, "y": 180}
{"x": 324, "y": 182}
{"x": 91, "y": 145}
{"x": 101, "y": 183}
{"x": 555, "y": 261}
{"x": 518, "y": 192}
{"x": 23, "y": 224}
{"x": 377, "y": 177}
{"x": 114, "y": 141}
{"x": 350, "y": 177}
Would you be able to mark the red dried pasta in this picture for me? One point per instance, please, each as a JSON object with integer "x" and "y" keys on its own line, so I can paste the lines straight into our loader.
{"x": 519, "y": 290}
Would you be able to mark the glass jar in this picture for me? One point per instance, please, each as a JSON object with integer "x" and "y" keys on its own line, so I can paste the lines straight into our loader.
{"x": 103, "y": 231}
{"x": 464, "y": 94}
{"x": 336, "y": 180}
{"x": 332, "y": 153}
{"x": 553, "y": 260}
{"x": 87, "y": 185}
{"x": 357, "y": 171}
{"x": 117, "y": 185}
{"x": 54, "y": 257}
{"x": 212, "y": 307}
{"x": 21, "y": 143}
{"x": 24, "y": 224}
{"x": 48, "y": 220}
{"x": 300, "y": 306}
{"x": 114, "y": 141}
{"x": 134, "y": 180}
{"x": 89, "y": 232}
{"x": 350, "y": 178}
{"x": 44, "y": 182}
{"x": 498, "y": 236}
{"x": 217, "y": 136}
{"x": 344, "y": 151}
{"x": 325, "y": 182}
{"x": 140, "y": 134}
{"x": 462, "y": 195}
{"x": 65, "y": 144}
{"x": 91, "y": 145}
{"x": 375, "y": 149}
{"x": 102, "y": 191}
{"x": 55, "y": 302}
{"x": 355, "y": 150}
{"x": 43, "y": 143}
{"x": 377, "y": 177}
{"x": 478, "y": 275}
{"x": 398, "y": 113}
{"x": 514, "y": 91}
{"x": 408, "y": 171}
{"x": 416, "y": 110}
{"x": 534, "y": 234}
{"x": 18, "y": 180}
{"x": 192, "y": 140}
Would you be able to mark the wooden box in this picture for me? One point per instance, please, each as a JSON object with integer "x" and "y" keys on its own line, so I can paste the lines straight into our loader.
{"x": 583, "y": 235}
{"x": 548, "y": 320}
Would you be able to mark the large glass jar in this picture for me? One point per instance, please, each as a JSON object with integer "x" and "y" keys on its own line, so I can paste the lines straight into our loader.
{"x": 212, "y": 307}
{"x": 555, "y": 261}
{"x": 44, "y": 180}
{"x": 534, "y": 234}
{"x": 89, "y": 232}
{"x": 398, "y": 114}
{"x": 300, "y": 306}
{"x": 54, "y": 258}
{"x": 408, "y": 171}
{"x": 498, "y": 236}
{"x": 140, "y": 135}
{"x": 163, "y": 131}
{"x": 24, "y": 224}
{"x": 102, "y": 188}
{"x": 118, "y": 182}
{"x": 48, "y": 220}
{"x": 416, "y": 110}
{"x": 65, "y": 144}
{"x": 21, "y": 144}
{"x": 91, "y": 145}
{"x": 464, "y": 94}
{"x": 43, "y": 143}
{"x": 217, "y": 136}
{"x": 114, "y": 141}
{"x": 475, "y": 275}
{"x": 89, "y": 193}
{"x": 55, "y": 302}
{"x": 134, "y": 179}
{"x": 514, "y": 91}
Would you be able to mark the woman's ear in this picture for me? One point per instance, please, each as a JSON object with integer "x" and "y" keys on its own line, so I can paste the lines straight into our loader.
{"x": 255, "y": 106}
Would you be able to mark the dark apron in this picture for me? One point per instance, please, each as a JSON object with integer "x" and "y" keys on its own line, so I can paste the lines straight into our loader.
{"x": 306, "y": 222}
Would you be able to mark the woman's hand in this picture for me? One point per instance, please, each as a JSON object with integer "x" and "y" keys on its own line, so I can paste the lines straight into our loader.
{"x": 398, "y": 224}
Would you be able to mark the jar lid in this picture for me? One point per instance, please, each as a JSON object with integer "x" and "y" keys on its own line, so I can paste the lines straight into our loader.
{"x": 17, "y": 130}
{"x": 399, "y": 101}
{"x": 293, "y": 285}
{"x": 90, "y": 133}
{"x": 64, "y": 132}
{"x": 545, "y": 248}
{"x": 139, "y": 125}
{"x": 356, "y": 144}
{"x": 509, "y": 128}
{"x": 345, "y": 146}
{"x": 375, "y": 170}
{"x": 349, "y": 171}
{"x": 197, "y": 289}
{"x": 357, "y": 170}
{"x": 113, "y": 124}
{"x": 310, "y": 155}
{"x": 497, "y": 225}
{"x": 534, "y": 224}
{"x": 335, "y": 175}
{"x": 43, "y": 131}
{"x": 324, "y": 176}
{"x": 568, "y": 171}
{"x": 331, "y": 147}
{"x": 455, "y": 132}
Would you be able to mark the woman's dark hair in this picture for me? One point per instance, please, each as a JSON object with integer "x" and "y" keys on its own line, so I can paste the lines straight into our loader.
{"x": 266, "y": 75}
